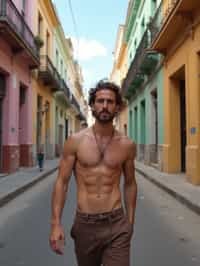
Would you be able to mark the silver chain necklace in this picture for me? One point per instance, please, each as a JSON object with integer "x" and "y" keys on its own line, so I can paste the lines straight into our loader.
{"x": 102, "y": 153}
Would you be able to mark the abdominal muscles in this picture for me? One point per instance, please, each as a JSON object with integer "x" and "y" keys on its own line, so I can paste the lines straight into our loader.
{"x": 98, "y": 189}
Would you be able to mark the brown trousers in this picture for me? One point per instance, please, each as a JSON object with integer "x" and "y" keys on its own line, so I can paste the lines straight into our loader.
{"x": 102, "y": 238}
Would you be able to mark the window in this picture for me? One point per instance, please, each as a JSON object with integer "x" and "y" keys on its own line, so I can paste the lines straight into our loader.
{"x": 24, "y": 4}
{"x": 142, "y": 26}
{"x": 23, "y": 8}
{"x": 153, "y": 6}
{"x": 22, "y": 95}
{"x": 61, "y": 113}
{"x": 135, "y": 43}
{"x": 61, "y": 68}
{"x": 143, "y": 22}
{"x": 57, "y": 58}
{"x": 65, "y": 77}
{"x": 47, "y": 43}
{"x": 39, "y": 25}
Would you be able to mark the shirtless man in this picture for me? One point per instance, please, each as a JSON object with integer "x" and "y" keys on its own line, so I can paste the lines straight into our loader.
{"x": 102, "y": 230}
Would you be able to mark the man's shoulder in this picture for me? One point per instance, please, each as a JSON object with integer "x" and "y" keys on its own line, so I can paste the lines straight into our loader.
{"x": 125, "y": 140}
{"x": 76, "y": 138}
{"x": 81, "y": 134}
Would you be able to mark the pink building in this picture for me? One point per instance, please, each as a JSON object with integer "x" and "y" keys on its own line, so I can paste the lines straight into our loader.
{"x": 18, "y": 56}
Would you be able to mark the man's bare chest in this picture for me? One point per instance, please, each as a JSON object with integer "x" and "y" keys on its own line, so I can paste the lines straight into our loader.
{"x": 89, "y": 155}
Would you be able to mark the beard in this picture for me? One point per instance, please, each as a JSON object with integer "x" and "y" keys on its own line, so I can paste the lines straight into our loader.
{"x": 103, "y": 117}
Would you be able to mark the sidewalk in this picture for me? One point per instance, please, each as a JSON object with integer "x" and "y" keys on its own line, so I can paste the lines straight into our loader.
{"x": 174, "y": 184}
{"x": 16, "y": 183}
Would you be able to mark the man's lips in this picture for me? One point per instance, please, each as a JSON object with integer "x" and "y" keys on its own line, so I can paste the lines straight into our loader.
{"x": 105, "y": 113}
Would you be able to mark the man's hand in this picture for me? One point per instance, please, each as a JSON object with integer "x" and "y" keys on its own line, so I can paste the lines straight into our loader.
{"x": 57, "y": 239}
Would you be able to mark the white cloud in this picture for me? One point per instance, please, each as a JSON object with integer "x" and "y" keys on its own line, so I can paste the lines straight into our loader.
{"x": 85, "y": 49}
{"x": 88, "y": 75}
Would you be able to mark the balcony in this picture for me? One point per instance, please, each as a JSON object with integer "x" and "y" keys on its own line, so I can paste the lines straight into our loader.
{"x": 176, "y": 17}
{"x": 76, "y": 107}
{"x": 143, "y": 64}
{"x": 17, "y": 33}
{"x": 48, "y": 74}
{"x": 65, "y": 89}
{"x": 75, "y": 104}
{"x": 81, "y": 117}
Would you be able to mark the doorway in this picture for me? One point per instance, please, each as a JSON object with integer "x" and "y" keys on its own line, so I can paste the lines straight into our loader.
{"x": 60, "y": 138}
{"x": 183, "y": 135}
{"x": 2, "y": 94}
{"x": 143, "y": 122}
{"x": 66, "y": 128}
{"x": 154, "y": 99}
{"x": 47, "y": 130}
{"x": 39, "y": 122}
{"x": 22, "y": 123}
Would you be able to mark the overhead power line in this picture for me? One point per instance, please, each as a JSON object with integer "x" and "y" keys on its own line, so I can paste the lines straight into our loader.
{"x": 75, "y": 25}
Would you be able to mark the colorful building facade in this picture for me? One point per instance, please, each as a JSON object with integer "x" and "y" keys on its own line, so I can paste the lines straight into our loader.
{"x": 178, "y": 39}
{"x": 54, "y": 100}
{"x": 45, "y": 81}
{"x": 62, "y": 97}
{"x": 143, "y": 85}
{"x": 118, "y": 73}
{"x": 19, "y": 56}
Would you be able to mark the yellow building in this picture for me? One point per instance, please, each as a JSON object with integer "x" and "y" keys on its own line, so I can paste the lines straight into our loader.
{"x": 118, "y": 74}
{"x": 178, "y": 39}
{"x": 77, "y": 111}
{"x": 45, "y": 80}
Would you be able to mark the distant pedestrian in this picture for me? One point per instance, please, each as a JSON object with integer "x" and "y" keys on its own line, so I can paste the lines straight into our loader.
{"x": 40, "y": 158}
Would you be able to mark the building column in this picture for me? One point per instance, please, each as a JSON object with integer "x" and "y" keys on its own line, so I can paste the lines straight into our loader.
{"x": 193, "y": 118}
{"x": 11, "y": 126}
{"x": 172, "y": 142}
{"x": 26, "y": 126}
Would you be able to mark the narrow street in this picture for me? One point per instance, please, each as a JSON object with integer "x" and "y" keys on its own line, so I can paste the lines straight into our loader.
{"x": 166, "y": 232}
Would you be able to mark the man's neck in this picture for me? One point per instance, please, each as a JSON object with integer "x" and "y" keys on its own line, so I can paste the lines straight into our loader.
{"x": 103, "y": 130}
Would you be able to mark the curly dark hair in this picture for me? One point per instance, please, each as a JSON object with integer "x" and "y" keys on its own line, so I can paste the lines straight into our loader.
{"x": 105, "y": 85}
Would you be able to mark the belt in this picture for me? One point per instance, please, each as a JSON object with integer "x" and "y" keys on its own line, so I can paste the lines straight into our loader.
{"x": 109, "y": 216}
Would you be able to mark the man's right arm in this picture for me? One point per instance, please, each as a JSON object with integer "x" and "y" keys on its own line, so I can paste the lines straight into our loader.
{"x": 60, "y": 191}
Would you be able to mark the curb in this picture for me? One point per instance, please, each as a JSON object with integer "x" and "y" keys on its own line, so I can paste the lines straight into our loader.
{"x": 192, "y": 206}
{"x": 13, "y": 194}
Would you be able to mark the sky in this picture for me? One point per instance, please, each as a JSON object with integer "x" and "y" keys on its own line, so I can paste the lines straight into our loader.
{"x": 96, "y": 29}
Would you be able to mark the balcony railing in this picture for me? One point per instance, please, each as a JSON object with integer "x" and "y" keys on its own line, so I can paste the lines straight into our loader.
{"x": 48, "y": 73}
{"x": 15, "y": 29}
{"x": 156, "y": 22}
{"x": 170, "y": 20}
{"x": 144, "y": 61}
{"x": 75, "y": 103}
{"x": 65, "y": 89}
{"x": 142, "y": 64}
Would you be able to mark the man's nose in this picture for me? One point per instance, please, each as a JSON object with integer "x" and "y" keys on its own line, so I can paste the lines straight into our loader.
{"x": 105, "y": 104}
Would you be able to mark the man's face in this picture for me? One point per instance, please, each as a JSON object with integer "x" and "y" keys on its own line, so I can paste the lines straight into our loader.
{"x": 105, "y": 108}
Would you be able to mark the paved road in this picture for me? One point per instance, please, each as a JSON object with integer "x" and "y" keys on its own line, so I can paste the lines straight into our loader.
{"x": 166, "y": 232}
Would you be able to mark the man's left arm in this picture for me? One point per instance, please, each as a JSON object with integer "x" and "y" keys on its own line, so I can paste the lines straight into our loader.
{"x": 130, "y": 185}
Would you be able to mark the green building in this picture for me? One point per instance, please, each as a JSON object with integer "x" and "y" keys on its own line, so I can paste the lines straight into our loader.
{"x": 143, "y": 85}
